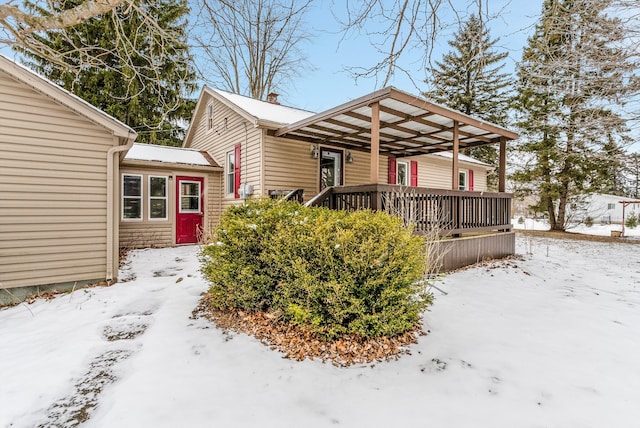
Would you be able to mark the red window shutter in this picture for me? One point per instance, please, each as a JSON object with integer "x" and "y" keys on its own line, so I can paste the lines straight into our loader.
{"x": 470, "y": 180}
{"x": 392, "y": 170}
{"x": 236, "y": 171}
{"x": 414, "y": 173}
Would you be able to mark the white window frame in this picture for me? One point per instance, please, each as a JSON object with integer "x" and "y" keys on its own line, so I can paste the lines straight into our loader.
{"x": 190, "y": 211}
{"x": 140, "y": 198}
{"x": 210, "y": 116}
{"x": 230, "y": 175}
{"x": 165, "y": 198}
{"x": 407, "y": 173}
{"x": 611, "y": 206}
{"x": 463, "y": 183}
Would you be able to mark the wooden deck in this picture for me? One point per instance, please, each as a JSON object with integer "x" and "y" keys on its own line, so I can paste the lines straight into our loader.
{"x": 450, "y": 212}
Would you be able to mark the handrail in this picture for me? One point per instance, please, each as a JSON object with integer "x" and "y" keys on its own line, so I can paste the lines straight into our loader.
{"x": 452, "y": 212}
{"x": 296, "y": 195}
{"x": 320, "y": 198}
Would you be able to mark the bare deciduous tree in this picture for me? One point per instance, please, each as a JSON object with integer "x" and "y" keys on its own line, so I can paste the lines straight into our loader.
{"x": 252, "y": 46}
{"x": 396, "y": 27}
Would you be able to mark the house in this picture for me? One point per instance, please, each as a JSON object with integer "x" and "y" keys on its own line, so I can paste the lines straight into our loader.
{"x": 239, "y": 132}
{"x": 75, "y": 187}
{"x": 378, "y": 151}
{"x": 601, "y": 208}
{"x": 58, "y": 184}
{"x": 169, "y": 196}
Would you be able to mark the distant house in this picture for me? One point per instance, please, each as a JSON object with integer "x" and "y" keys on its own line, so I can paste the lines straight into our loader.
{"x": 602, "y": 208}
{"x": 75, "y": 188}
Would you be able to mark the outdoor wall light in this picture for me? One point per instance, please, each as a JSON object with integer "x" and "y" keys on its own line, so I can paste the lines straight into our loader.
{"x": 349, "y": 157}
{"x": 314, "y": 151}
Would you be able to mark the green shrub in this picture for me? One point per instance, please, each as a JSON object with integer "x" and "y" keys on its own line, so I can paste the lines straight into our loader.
{"x": 331, "y": 272}
{"x": 588, "y": 221}
{"x": 632, "y": 220}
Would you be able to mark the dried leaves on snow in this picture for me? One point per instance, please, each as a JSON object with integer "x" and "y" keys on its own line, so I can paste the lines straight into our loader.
{"x": 298, "y": 344}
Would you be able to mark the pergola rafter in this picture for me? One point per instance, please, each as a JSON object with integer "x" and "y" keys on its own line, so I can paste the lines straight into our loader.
{"x": 399, "y": 124}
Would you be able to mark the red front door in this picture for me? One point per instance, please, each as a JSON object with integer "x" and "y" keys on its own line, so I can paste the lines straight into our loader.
{"x": 189, "y": 209}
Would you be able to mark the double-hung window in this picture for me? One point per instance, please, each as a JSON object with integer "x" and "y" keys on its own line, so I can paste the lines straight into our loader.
{"x": 462, "y": 180}
{"x": 131, "y": 197}
{"x": 158, "y": 197}
{"x": 402, "y": 173}
{"x": 231, "y": 176}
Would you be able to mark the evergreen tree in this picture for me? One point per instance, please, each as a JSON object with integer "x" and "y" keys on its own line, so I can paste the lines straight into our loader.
{"x": 141, "y": 80}
{"x": 468, "y": 79}
{"x": 632, "y": 170}
{"x": 574, "y": 74}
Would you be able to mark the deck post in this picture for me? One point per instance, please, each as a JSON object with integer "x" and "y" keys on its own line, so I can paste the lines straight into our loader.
{"x": 375, "y": 142}
{"x": 502, "y": 168}
{"x": 455, "y": 176}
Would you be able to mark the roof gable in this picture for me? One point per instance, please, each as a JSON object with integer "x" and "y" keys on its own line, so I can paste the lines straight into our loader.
{"x": 66, "y": 98}
{"x": 258, "y": 113}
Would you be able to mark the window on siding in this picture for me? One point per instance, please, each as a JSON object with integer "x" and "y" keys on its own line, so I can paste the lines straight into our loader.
{"x": 611, "y": 206}
{"x": 231, "y": 167}
{"x": 402, "y": 173}
{"x": 189, "y": 196}
{"x": 462, "y": 180}
{"x": 157, "y": 198}
{"x": 210, "y": 116}
{"x": 131, "y": 197}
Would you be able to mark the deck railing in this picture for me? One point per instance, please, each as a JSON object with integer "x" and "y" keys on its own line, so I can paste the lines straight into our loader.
{"x": 451, "y": 212}
{"x": 296, "y": 195}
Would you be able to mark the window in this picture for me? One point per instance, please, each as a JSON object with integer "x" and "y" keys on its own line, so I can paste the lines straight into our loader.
{"x": 462, "y": 180}
{"x": 189, "y": 196}
{"x": 210, "y": 116}
{"x": 157, "y": 198}
{"x": 131, "y": 197}
{"x": 231, "y": 167}
{"x": 402, "y": 170}
{"x": 611, "y": 206}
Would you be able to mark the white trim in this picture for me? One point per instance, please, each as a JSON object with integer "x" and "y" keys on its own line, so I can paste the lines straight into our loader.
{"x": 209, "y": 114}
{"x": 227, "y": 181}
{"x": 123, "y": 197}
{"x": 463, "y": 184}
{"x": 407, "y": 175}
{"x": 165, "y": 198}
{"x": 190, "y": 211}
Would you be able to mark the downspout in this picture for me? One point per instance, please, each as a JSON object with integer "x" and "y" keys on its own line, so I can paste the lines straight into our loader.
{"x": 111, "y": 154}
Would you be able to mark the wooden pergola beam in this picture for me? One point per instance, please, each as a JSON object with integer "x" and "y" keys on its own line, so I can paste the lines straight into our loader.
{"x": 375, "y": 141}
{"x": 455, "y": 176}
{"x": 502, "y": 166}
{"x": 421, "y": 120}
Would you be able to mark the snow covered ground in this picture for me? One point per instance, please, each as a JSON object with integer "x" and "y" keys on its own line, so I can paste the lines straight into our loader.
{"x": 595, "y": 229}
{"x": 551, "y": 340}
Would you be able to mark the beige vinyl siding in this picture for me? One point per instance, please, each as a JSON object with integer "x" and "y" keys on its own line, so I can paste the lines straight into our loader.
{"x": 161, "y": 233}
{"x": 435, "y": 172}
{"x": 214, "y": 203}
{"x": 53, "y": 179}
{"x": 288, "y": 165}
{"x": 221, "y": 140}
{"x": 359, "y": 171}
